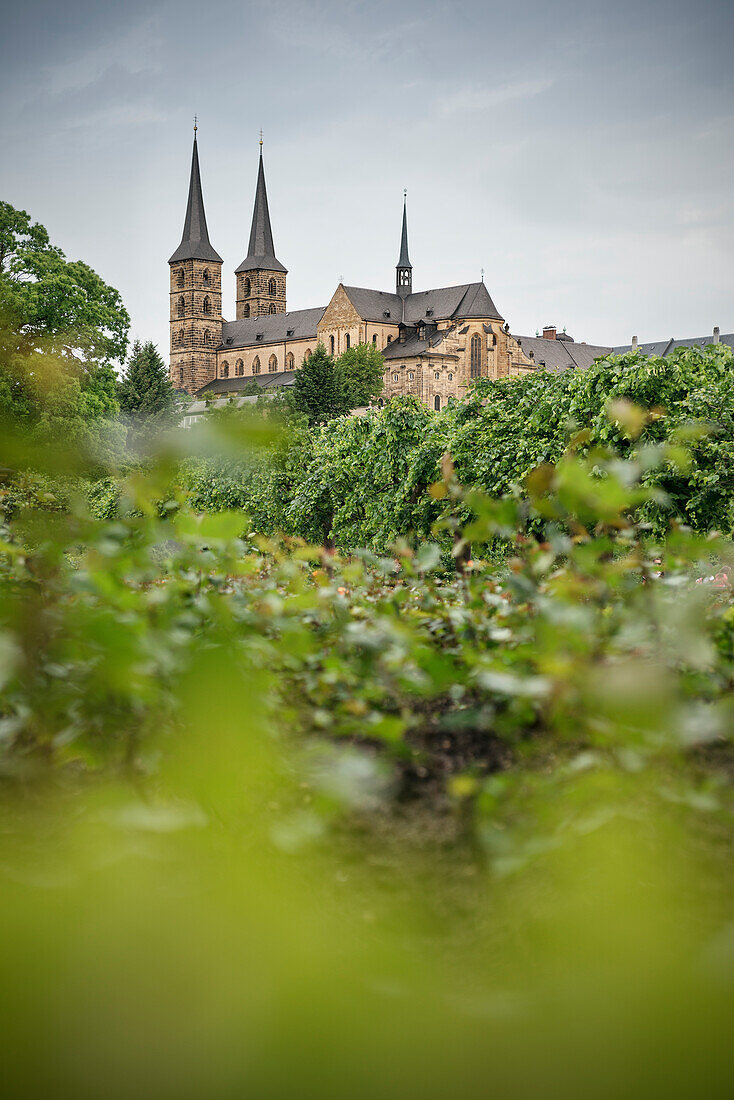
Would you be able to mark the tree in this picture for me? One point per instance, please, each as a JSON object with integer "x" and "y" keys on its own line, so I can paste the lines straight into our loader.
{"x": 147, "y": 399}
{"x": 44, "y": 295}
{"x": 318, "y": 388}
{"x": 362, "y": 369}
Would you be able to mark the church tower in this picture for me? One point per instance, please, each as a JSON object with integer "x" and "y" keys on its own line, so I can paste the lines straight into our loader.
{"x": 404, "y": 269}
{"x": 260, "y": 276}
{"x": 196, "y": 295}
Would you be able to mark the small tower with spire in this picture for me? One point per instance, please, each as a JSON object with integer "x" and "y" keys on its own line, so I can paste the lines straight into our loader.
{"x": 260, "y": 277}
{"x": 404, "y": 269}
{"x": 196, "y": 295}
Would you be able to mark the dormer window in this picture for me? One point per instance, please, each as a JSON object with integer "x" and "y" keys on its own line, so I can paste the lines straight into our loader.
{"x": 290, "y": 332}
{"x": 386, "y": 313}
{"x": 259, "y": 335}
{"x": 429, "y": 312}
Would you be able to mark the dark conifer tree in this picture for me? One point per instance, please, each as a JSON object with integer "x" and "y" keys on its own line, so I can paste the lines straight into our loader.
{"x": 318, "y": 388}
{"x": 148, "y": 401}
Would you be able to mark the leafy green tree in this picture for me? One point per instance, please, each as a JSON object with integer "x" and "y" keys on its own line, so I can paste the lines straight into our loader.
{"x": 318, "y": 388}
{"x": 42, "y": 294}
{"x": 362, "y": 369}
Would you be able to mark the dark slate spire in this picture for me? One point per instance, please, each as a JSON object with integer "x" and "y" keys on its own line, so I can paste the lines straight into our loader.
{"x": 404, "y": 269}
{"x": 195, "y": 239}
{"x": 261, "y": 251}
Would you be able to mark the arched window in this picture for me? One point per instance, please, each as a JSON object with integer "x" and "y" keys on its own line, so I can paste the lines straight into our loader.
{"x": 206, "y": 335}
{"x": 411, "y": 376}
{"x": 437, "y": 403}
{"x": 247, "y": 288}
{"x": 331, "y": 344}
{"x": 451, "y": 377}
{"x": 273, "y": 364}
{"x": 271, "y": 287}
{"x": 374, "y": 339}
{"x": 256, "y": 365}
{"x": 436, "y": 375}
{"x": 181, "y": 306}
{"x": 389, "y": 339}
{"x": 180, "y": 276}
{"x": 289, "y": 361}
{"x": 207, "y": 307}
{"x": 396, "y": 378}
{"x": 205, "y": 276}
{"x": 239, "y": 368}
{"x": 476, "y": 355}
{"x": 308, "y": 352}
{"x": 349, "y": 341}
{"x": 246, "y": 310}
{"x": 180, "y": 376}
{"x": 225, "y": 369}
{"x": 271, "y": 309}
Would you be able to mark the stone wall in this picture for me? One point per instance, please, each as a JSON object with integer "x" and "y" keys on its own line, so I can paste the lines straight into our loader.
{"x": 260, "y": 300}
{"x": 195, "y": 322}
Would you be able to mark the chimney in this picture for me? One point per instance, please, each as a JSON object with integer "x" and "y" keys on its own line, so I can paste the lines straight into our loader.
{"x": 549, "y": 332}
{"x": 717, "y": 337}
{"x": 634, "y": 341}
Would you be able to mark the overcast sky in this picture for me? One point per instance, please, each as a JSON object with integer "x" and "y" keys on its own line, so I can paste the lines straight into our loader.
{"x": 582, "y": 153}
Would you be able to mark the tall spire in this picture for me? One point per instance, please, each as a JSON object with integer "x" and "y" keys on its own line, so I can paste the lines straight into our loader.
{"x": 195, "y": 239}
{"x": 404, "y": 269}
{"x": 261, "y": 251}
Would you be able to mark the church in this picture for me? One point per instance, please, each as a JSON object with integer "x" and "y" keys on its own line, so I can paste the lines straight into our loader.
{"x": 434, "y": 342}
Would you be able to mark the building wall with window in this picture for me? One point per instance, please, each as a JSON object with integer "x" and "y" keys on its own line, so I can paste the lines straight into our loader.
{"x": 195, "y": 321}
{"x": 288, "y": 355}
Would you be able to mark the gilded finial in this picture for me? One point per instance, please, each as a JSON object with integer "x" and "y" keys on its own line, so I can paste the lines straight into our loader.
{"x": 195, "y": 124}
{"x": 482, "y": 274}
{"x": 261, "y": 141}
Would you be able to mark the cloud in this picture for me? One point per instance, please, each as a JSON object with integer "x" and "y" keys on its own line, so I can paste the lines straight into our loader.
{"x": 473, "y": 98}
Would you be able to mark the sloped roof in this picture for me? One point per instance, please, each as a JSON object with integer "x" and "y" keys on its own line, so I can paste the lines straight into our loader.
{"x": 195, "y": 243}
{"x": 261, "y": 251}
{"x": 664, "y": 347}
{"x": 415, "y": 346}
{"x": 266, "y": 381}
{"x": 273, "y": 326}
{"x": 560, "y": 355}
{"x": 469, "y": 300}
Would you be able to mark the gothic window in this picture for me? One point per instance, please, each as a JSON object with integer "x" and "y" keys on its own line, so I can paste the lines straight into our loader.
{"x": 247, "y": 288}
{"x": 396, "y": 378}
{"x": 289, "y": 361}
{"x": 308, "y": 352}
{"x": 207, "y": 307}
{"x": 206, "y": 335}
{"x": 436, "y": 375}
{"x": 181, "y": 306}
{"x": 205, "y": 276}
{"x": 349, "y": 341}
{"x": 180, "y": 276}
{"x": 271, "y": 288}
{"x": 271, "y": 309}
{"x": 451, "y": 377}
{"x": 273, "y": 364}
{"x": 411, "y": 376}
{"x": 331, "y": 344}
{"x": 374, "y": 339}
{"x": 256, "y": 365}
{"x": 180, "y": 376}
{"x": 246, "y": 310}
{"x": 476, "y": 355}
{"x": 239, "y": 368}
{"x": 225, "y": 369}
{"x": 437, "y": 403}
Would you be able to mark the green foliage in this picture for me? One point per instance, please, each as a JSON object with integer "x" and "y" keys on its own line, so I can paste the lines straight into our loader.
{"x": 318, "y": 389}
{"x": 362, "y": 371}
{"x": 147, "y": 398}
{"x": 44, "y": 295}
{"x": 432, "y": 825}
